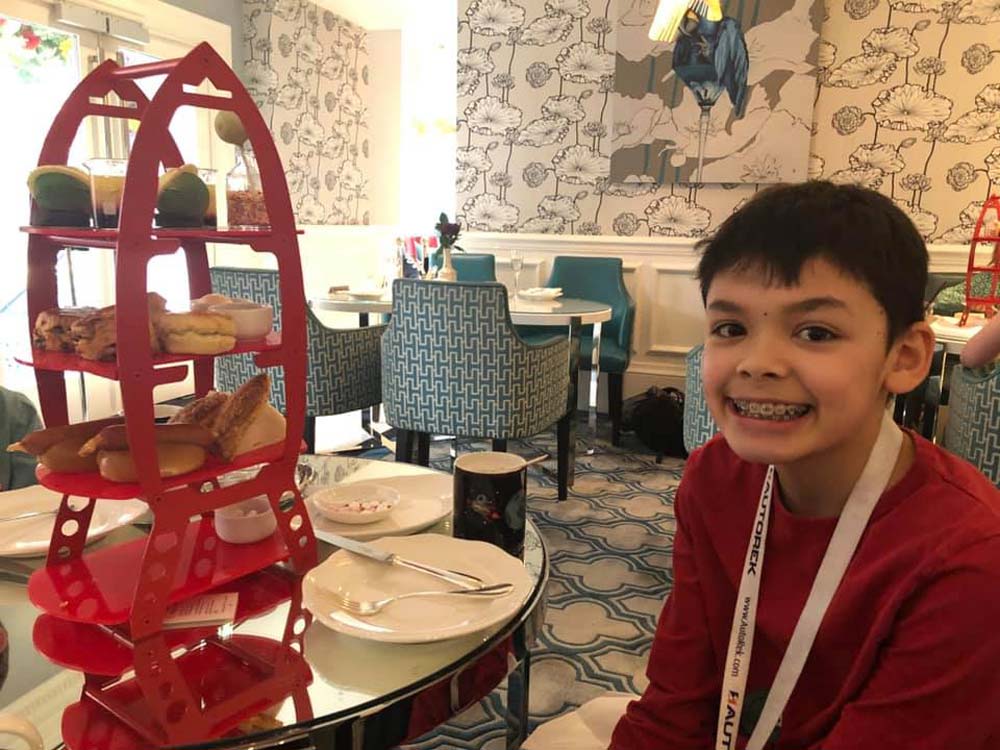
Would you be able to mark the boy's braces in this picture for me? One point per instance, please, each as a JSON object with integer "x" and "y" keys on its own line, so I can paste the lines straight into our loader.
{"x": 770, "y": 410}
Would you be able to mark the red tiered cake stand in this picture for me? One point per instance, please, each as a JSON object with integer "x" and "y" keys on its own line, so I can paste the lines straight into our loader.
{"x": 984, "y": 234}
{"x": 115, "y": 598}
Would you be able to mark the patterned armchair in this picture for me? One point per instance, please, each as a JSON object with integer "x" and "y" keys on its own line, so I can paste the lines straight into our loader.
{"x": 453, "y": 364}
{"x": 343, "y": 372}
{"x": 974, "y": 419}
{"x": 699, "y": 427}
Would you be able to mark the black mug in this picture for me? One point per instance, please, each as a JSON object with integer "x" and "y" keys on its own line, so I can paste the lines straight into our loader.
{"x": 491, "y": 499}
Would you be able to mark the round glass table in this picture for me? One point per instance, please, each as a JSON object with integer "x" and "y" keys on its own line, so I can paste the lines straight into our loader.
{"x": 303, "y": 685}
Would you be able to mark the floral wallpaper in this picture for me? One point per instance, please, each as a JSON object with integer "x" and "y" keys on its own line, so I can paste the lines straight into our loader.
{"x": 907, "y": 104}
{"x": 307, "y": 69}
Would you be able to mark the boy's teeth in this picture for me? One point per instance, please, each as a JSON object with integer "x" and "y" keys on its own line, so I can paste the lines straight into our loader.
{"x": 769, "y": 410}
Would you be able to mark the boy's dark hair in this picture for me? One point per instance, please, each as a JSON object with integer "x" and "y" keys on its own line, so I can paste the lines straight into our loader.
{"x": 859, "y": 231}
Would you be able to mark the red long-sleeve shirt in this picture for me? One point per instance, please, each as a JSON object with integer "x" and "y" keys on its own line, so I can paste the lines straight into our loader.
{"x": 908, "y": 655}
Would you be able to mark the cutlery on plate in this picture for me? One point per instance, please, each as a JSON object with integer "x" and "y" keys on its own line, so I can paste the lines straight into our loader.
{"x": 304, "y": 476}
{"x": 29, "y": 514}
{"x": 465, "y": 580}
{"x": 11, "y": 576}
{"x": 366, "y": 607}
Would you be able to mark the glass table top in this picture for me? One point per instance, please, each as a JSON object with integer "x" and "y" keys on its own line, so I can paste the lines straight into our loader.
{"x": 337, "y": 681}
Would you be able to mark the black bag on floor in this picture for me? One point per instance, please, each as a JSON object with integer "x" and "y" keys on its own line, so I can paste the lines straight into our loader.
{"x": 657, "y": 418}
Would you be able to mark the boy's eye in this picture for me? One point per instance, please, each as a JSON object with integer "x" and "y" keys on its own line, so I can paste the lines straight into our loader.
{"x": 816, "y": 334}
{"x": 728, "y": 330}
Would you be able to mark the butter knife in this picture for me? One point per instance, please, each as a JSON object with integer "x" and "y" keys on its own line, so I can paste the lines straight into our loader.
{"x": 465, "y": 580}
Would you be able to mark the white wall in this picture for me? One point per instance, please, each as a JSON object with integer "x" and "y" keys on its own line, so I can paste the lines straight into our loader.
{"x": 384, "y": 124}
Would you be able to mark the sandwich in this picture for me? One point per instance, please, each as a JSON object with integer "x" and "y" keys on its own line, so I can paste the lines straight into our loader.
{"x": 196, "y": 333}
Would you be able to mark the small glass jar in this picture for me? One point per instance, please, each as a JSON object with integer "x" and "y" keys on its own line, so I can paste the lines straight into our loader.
{"x": 209, "y": 177}
{"x": 244, "y": 196}
{"x": 107, "y": 182}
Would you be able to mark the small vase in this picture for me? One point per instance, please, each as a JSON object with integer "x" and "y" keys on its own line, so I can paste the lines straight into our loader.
{"x": 447, "y": 270}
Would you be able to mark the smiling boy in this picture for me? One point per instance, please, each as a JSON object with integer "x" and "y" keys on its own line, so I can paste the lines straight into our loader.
{"x": 832, "y": 574}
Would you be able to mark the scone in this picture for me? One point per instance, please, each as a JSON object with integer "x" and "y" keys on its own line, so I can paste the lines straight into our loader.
{"x": 52, "y": 328}
{"x": 95, "y": 336}
{"x": 196, "y": 333}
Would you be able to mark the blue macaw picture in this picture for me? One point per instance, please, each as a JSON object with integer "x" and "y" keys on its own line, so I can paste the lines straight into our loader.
{"x": 723, "y": 96}
{"x": 710, "y": 56}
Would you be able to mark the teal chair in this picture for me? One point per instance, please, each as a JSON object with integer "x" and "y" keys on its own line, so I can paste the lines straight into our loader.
{"x": 973, "y": 430}
{"x": 699, "y": 427}
{"x": 344, "y": 371}
{"x": 469, "y": 266}
{"x": 453, "y": 364}
{"x": 599, "y": 280}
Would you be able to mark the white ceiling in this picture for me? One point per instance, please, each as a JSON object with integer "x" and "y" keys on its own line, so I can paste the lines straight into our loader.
{"x": 376, "y": 15}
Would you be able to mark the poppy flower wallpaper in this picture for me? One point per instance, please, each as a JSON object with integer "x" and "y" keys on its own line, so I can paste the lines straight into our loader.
{"x": 904, "y": 99}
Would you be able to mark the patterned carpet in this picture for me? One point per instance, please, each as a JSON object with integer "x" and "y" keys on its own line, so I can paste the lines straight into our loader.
{"x": 610, "y": 545}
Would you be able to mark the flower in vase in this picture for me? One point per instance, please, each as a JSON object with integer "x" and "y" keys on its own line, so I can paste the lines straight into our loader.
{"x": 448, "y": 232}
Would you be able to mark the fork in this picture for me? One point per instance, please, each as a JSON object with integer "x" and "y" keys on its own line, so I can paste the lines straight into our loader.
{"x": 366, "y": 608}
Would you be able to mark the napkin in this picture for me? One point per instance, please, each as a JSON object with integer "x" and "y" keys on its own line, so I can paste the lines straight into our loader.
{"x": 544, "y": 290}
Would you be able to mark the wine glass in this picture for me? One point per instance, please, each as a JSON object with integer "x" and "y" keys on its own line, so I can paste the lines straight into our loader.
{"x": 516, "y": 264}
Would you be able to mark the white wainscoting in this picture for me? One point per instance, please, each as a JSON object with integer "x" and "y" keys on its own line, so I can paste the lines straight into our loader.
{"x": 659, "y": 273}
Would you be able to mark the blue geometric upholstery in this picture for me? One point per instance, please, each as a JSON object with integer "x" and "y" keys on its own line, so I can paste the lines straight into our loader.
{"x": 344, "y": 370}
{"x": 973, "y": 430}
{"x": 699, "y": 427}
{"x": 453, "y": 364}
{"x": 469, "y": 266}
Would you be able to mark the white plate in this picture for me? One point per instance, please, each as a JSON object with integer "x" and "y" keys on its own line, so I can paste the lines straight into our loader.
{"x": 423, "y": 501}
{"x": 420, "y": 619}
{"x": 540, "y": 292}
{"x": 364, "y": 294}
{"x": 30, "y": 537}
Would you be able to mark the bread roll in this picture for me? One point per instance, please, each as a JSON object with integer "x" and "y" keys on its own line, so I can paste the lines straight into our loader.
{"x": 74, "y": 435}
{"x": 174, "y": 458}
{"x": 116, "y": 437}
{"x": 64, "y": 456}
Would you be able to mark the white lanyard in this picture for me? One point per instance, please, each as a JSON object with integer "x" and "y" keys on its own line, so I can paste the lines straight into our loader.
{"x": 853, "y": 520}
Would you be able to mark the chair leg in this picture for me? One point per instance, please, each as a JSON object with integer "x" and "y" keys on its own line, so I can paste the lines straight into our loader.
{"x": 404, "y": 446}
{"x": 500, "y": 444}
{"x": 309, "y": 434}
{"x": 615, "y": 387}
{"x": 562, "y": 454}
{"x": 423, "y": 448}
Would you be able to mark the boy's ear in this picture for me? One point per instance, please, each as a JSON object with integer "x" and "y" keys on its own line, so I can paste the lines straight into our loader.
{"x": 910, "y": 358}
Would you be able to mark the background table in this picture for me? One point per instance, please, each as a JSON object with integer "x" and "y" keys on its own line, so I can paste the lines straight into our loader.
{"x": 363, "y": 693}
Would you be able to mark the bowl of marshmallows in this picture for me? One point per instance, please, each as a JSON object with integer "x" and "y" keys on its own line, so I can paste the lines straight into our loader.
{"x": 355, "y": 503}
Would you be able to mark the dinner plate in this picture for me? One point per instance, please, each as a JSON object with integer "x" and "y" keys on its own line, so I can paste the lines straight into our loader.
{"x": 420, "y": 619}
{"x": 423, "y": 501}
{"x": 30, "y": 537}
{"x": 363, "y": 294}
{"x": 540, "y": 292}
